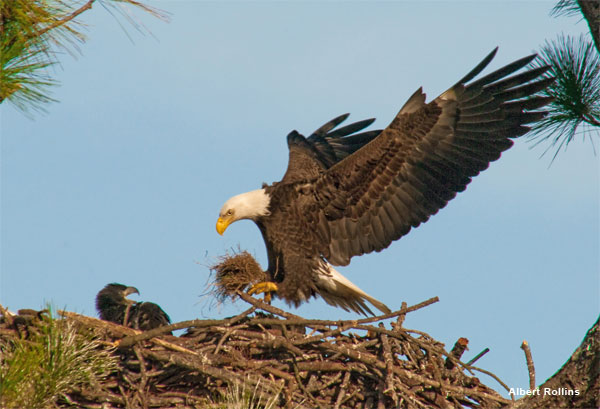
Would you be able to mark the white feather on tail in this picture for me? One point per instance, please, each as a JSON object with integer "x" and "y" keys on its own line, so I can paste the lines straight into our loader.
{"x": 337, "y": 290}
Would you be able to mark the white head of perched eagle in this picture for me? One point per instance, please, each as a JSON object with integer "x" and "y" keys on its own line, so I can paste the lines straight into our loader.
{"x": 347, "y": 193}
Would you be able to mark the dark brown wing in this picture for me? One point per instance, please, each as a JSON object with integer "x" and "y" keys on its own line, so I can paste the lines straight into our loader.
{"x": 309, "y": 157}
{"x": 422, "y": 159}
{"x": 147, "y": 315}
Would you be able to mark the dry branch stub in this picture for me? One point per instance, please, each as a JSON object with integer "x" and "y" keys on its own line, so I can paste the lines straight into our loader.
{"x": 288, "y": 360}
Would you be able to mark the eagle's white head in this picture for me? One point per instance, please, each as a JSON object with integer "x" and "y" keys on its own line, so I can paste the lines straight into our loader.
{"x": 249, "y": 205}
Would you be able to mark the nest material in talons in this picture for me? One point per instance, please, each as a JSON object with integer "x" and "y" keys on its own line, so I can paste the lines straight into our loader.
{"x": 235, "y": 273}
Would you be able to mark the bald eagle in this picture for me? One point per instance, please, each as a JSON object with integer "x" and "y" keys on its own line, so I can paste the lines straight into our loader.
{"x": 345, "y": 193}
{"x": 112, "y": 305}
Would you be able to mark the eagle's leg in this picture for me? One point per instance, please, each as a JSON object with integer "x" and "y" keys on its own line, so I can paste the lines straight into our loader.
{"x": 266, "y": 287}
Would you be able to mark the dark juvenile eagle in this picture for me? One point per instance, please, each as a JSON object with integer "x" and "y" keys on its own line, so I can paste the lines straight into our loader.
{"x": 113, "y": 305}
{"x": 345, "y": 193}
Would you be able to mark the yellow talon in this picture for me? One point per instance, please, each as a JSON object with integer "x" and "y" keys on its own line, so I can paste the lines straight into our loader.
{"x": 266, "y": 287}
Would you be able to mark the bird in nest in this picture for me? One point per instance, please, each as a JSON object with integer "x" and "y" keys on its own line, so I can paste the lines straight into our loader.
{"x": 113, "y": 305}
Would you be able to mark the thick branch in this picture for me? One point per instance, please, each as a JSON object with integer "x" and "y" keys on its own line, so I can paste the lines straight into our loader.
{"x": 576, "y": 384}
{"x": 591, "y": 11}
{"x": 457, "y": 351}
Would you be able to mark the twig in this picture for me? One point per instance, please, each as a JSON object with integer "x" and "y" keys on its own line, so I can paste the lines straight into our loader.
{"x": 88, "y": 6}
{"x": 125, "y": 397}
{"x": 65, "y": 19}
{"x": 323, "y": 335}
{"x": 301, "y": 385}
{"x": 172, "y": 346}
{"x": 389, "y": 368}
{"x": 120, "y": 330}
{"x": 380, "y": 395}
{"x": 401, "y": 311}
{"x": 488, "y": 373}
{"x": 401, "y": 317}
{"x": 144, "y": 377}
{"x": 266, "y": 307}
{"x": 530, "y": 367}
{"x": 452, "y": 388}
{"x": 128, "y": 341}
{"x": 342, "y": 391}
{"x": 479, "y": 355}
{"x": 296, "y": 320}
{"x": 222, "y": 340}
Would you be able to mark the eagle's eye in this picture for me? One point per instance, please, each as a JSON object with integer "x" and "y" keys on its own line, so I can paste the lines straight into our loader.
{"x": 229, "y": 212}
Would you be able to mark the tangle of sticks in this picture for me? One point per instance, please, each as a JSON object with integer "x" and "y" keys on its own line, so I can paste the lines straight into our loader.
{"x": 289, "y": 360}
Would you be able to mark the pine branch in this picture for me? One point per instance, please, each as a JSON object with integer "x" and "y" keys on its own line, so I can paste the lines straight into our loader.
{"x": 566, "y": 8}
{"x": 30, "y": 33}
{"x": 66, "y": 19}
{"x": 575, "y": 108}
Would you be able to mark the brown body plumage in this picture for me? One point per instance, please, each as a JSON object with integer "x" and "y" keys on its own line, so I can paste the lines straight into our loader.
{"x": 113, "y": 305}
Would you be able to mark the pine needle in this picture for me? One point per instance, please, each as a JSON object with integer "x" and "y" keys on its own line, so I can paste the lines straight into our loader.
{"x": 33, "y": 33}
{"x": 575, "y": 109}
{"x": 49, "y": 360}
{"x": 565, "y": 8}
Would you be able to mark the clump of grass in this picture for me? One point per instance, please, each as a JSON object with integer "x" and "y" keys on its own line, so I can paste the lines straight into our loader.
{"x": 53, "y": 360}
{"x": 243, "y": 396}
{"x": 236, "y": 273}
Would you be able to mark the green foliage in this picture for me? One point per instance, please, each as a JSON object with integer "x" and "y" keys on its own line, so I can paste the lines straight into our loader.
{"x": 565, "y": 8}
{"x": 54, "y": 359}
{"x": 576, "y": 106}
{"x": 23, "y": 79}
{"x": 32, "y": 32}
{"x": 23, "y": 55}
{"x": 245, "y": 397}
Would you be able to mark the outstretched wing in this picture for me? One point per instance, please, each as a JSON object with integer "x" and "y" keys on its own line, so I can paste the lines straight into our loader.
{"x": 426, "y": 155}
{"x": 309, "y": 157}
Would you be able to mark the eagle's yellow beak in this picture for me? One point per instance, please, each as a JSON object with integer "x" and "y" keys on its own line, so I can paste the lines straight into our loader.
{"x": 222, "y": 225}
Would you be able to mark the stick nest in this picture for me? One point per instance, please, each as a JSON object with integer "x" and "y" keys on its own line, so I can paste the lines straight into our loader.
{"x": 287, "y": 360}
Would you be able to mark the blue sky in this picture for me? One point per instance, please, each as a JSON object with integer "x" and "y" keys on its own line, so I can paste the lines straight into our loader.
{"x": 123, "y": 179}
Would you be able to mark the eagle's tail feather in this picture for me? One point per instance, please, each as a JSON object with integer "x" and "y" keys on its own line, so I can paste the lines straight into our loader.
{"x": 338, "y": 291}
